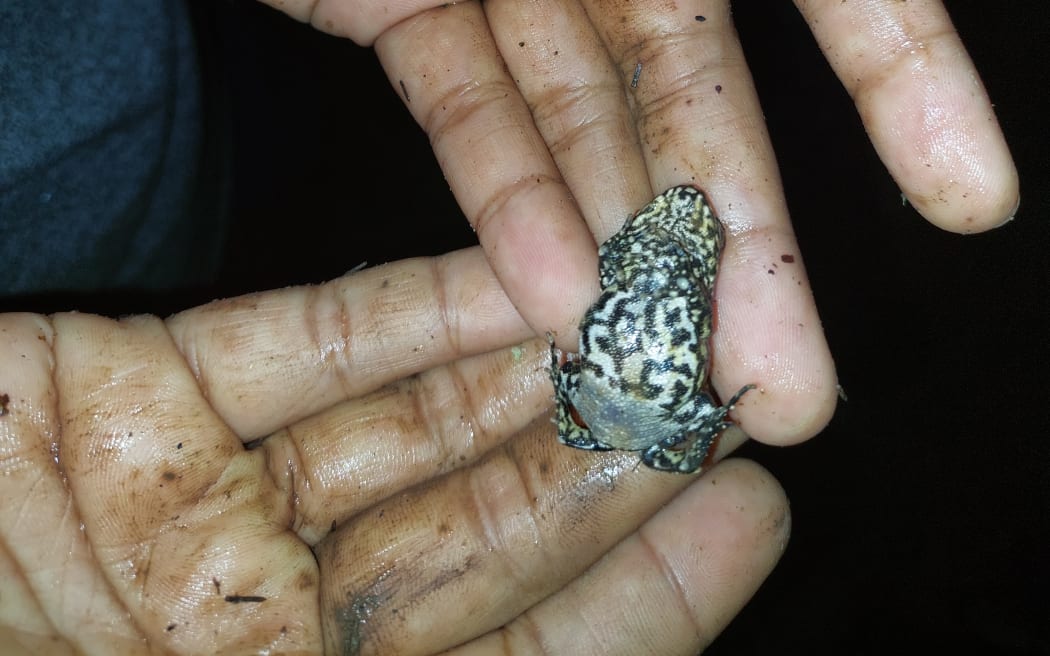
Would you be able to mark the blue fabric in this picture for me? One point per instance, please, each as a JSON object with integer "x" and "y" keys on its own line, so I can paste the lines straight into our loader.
{"x": 101, "y": 137}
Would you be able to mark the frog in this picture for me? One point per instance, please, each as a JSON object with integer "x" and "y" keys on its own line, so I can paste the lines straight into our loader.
{"x": 639, "y": 380}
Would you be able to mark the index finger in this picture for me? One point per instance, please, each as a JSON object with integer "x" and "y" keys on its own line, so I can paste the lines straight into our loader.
{"x": 923, "y": 105}
{"x": 452, "y": 78}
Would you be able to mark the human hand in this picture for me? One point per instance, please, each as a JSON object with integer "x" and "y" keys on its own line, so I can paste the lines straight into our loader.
{"x": 548, "y": 147}
{"x": 398, "y": 493}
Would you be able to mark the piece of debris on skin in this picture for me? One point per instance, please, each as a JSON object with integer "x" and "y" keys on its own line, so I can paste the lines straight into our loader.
{"x": 637, "y": 74}
{"x": 5, "y": 399}
{"x": 243, "y": 599}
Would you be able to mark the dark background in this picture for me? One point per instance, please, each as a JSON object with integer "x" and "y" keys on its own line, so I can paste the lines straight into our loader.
{"x": 921, "y": 512}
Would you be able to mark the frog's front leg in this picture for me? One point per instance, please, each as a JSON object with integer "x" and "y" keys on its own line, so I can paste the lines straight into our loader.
{"x": 566, "y": 379}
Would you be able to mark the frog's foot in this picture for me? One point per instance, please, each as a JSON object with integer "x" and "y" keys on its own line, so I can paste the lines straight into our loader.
{"x": 566, "y": 378}
{"x": 686, "y": 460}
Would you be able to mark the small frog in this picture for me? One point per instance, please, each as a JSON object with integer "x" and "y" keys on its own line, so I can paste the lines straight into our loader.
{"x": 638, "y": 381}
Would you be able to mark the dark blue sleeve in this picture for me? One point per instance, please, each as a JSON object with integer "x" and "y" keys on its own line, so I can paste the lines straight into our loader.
{"x": 102, "y": 155}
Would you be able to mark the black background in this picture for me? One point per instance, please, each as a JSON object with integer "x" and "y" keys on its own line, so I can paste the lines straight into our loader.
{"x": 921, "y": 513}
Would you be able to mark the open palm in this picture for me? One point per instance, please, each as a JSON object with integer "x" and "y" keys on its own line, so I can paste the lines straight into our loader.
{"x": 364, "y": 465}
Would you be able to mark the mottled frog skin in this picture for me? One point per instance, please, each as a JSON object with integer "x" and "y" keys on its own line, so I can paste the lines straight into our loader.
{"x": 638, "y": 382}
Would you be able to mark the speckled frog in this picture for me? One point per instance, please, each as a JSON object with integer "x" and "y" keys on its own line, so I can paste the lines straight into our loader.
{"x": 638, "y": 381}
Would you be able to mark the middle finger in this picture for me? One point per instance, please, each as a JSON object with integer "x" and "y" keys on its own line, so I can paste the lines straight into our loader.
{"x": 575, "y": 91}
{"x": 454, "y": 82}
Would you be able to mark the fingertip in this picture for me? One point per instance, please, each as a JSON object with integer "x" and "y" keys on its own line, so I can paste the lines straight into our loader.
{"x": 934, "y": 126}
{"x": 715, "y": 544}
{"x": 791, "y": 417}
{"x": 738, "y": 496}
{"x": 960, "y": 176}
{"x": 752, "y": 501}
{"x": 972, "y": 208}
{"x": 769, "y": 334}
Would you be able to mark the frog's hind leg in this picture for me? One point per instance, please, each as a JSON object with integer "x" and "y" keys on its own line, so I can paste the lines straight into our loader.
{"x": 566, "y": 379}
{"x": 574, "y": 435}
{"x": 664, "y": 455}
{"x": 686, "y": 460}
{"x": 571, "y": 431}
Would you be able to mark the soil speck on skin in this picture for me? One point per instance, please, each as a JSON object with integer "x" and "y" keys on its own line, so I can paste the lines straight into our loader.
{"x": 352, "y": 619}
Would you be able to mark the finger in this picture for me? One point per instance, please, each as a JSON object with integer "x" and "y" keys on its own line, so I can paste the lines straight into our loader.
{"x": 51, "y": 592}
{"x": 576, "y": 94}
{"x": 24, "y": 627}
{"x": 361, "y": 21}
{"x": 672, "y": 586}
{"x": 446, "y": 66}
{"x": 339, "y": 462}
{"x": 266, "y": 360}
{"x": 449, "y": 561}
{"x": 181, "y": 520}
{"x": 700, "y": 123}
{"x": 923, "y": 105}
